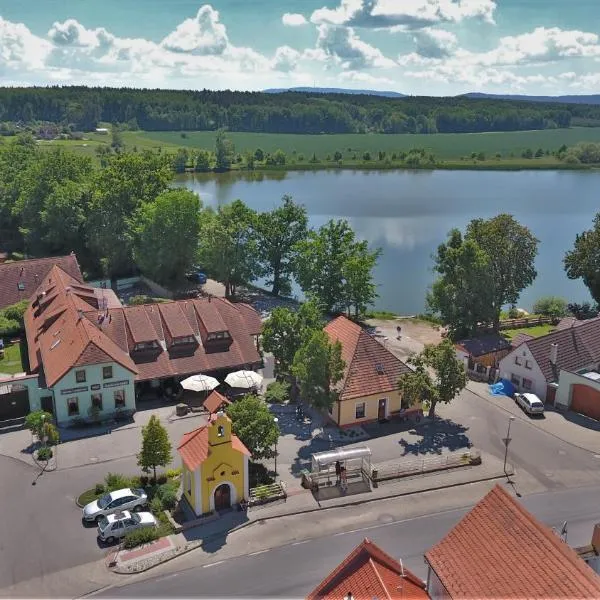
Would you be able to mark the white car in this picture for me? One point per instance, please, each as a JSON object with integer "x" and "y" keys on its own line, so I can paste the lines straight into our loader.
{"x": 114, "y": 527}
{"x": 530, "y": 403}
{"x": 125, "y": 499}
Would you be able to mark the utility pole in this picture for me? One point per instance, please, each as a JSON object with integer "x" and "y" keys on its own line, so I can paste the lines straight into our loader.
{"x": 506, "y": 443}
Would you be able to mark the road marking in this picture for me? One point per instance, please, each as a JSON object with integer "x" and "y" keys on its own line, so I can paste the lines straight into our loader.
{"x": 213, "y": 564}
{"x": 299, "y": 543}
{"x": 165, "y": 577}
{"x": 259, "y": 552}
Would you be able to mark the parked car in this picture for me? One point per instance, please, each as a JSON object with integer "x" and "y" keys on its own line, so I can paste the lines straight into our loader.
{"x": 196, "y": 277}
{"x": 125, "y": 499}
{"x": 530, "y": 403}
{"x": 118, "y": 525}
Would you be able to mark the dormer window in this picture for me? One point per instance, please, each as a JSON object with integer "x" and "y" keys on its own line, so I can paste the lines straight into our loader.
{"x": 146, "y": 345}
{"x": 21, "y": 286}
{"x": 219, "y": 335}
{"x": 180, "y": 341}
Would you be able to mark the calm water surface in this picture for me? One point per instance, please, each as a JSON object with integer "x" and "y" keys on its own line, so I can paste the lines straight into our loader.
{"x": 408, "y": 214}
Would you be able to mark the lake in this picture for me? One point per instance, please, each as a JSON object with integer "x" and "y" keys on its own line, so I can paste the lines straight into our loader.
{"x": 408, "y": 213}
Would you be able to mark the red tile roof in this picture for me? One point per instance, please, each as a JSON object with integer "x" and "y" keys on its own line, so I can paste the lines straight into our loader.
{"x": 368, "y": 572}
{"x": 499, "y": 550}
{"x": 30, "y": 273}
{"x": 215, "y": 401}
{"x": 370, "y": 368}
{"x": 194, "y": 448}
{"x": 484, "y": 344}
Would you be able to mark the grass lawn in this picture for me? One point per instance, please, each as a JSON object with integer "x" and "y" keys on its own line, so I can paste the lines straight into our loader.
{"x": 536, "y": 331}
{"x": 11, "y": 363}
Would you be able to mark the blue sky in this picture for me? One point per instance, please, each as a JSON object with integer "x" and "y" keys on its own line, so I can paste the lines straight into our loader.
{"x": 431, "y": 47}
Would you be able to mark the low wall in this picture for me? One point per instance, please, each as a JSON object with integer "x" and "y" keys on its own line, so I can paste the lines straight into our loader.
{"x": 157, "y": 290}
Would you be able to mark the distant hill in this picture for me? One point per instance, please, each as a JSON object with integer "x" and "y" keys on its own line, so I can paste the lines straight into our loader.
{"x": 313, "y": 90}
{"x": 590, "y": 99}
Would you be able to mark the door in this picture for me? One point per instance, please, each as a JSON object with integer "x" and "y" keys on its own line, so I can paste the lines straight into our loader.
{"x": 14, "y": 404}
{"x": 48, "y": 404}
{"x": 223, "y": 497}
{"x": 381, "y": 409}
{"x": 586, "y": 401}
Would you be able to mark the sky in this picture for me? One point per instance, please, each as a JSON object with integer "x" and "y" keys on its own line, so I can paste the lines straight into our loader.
{"x": 416, "y": 47}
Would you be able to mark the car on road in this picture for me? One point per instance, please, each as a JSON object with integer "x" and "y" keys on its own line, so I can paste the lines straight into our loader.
{"x": 196, "y": 277}
{"x": 118, "y": 525}
{"x": 530, "y": 403}
{"x": 125, "y": 499}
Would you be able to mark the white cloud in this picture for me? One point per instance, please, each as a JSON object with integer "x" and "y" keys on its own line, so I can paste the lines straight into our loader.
{"x": 19, "y": 48}
{"x": 405, "y": 14}
{"x": 366, "y": 78}
{"x": 293, "y": 20}
{"x": 435, "y": 43}
{"x": 285, "y": 59}
{"x": 343, "y": 47}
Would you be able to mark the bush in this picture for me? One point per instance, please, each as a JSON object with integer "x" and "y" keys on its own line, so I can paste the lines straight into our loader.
{"x": 166, "y": 488}
{"x": 169, "y": 499}
{"x": 259, "y": 475}
{"x": 144, "y": 480}
{"x": 173, "y": 473}
{"x": 99, "y": 489}
{"x": 550, "y": 306}
{"x": 513, "y": 313}
{"x": 156, "y": 505}
{"x": 135, "y": 482}
{"x": 44, "y": 453}
{"x": 277, "y": 392}
{"x": 161, "y": 479}
{"x": 116, "y": 481}
{"x": 141, "y": 536}
{"x": 9, "y": 327}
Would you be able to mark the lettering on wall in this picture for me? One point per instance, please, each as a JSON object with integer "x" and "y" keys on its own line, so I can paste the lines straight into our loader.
{"x": 95, "y": 386}
{"x": 83, "y": 388}
{"x": 116, "y": 383}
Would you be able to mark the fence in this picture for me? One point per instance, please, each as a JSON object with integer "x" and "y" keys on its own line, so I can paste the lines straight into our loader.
{"x": 418, "y": 466}
{"x": 523, "y": 322}
{"x": 267, "y": 493}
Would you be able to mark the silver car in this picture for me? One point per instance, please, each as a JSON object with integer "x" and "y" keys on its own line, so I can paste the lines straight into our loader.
{"x": 114, "y": 527}
{"x": 530, "y": 403}
{"x": 125, "y": 499}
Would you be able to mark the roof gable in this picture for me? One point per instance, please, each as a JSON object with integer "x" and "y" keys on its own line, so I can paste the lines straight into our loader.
{"x": 484, "y": 344}
{"x": 507, "y": 540}
{"x": 214, "y": 402}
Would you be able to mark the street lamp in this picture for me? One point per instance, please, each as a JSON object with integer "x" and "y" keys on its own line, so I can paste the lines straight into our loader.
{"x": 276, "y": 420}
{"x": 507, "y": 442}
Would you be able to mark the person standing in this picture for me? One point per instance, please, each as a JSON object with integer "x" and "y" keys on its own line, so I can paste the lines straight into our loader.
{"x": 338, "y": 472}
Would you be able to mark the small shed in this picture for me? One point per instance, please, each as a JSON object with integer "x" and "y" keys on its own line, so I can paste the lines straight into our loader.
{"x": 481, "y": 355}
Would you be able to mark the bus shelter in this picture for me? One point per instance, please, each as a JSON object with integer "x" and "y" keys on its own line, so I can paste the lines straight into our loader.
{"x": 355, "y": 461}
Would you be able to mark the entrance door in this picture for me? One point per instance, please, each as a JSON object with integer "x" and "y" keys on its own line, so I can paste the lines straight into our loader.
{"x": 223, "y": 497}
{"x": 48, "y": 404}
{"x": 381, "y": 409}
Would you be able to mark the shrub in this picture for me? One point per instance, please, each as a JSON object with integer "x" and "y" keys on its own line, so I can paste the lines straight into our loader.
{"x": 162, "y": 478}
{"x": 116, "y": 481}
{"x": 513, "y": 313}
{"x": 144, "y": 479}
{"x": 99, "y": 489}
{"x": 173, "y": 473}
{"x": 169, "y": 499}
{"x": 156, "y": 505}
{"x": 135, "y": 482}
{"x": 277, "y": 392}
{"x": 140, "y": 536}
{"x": 166, "y": 488}
{"x": 9, "y": 327}
{"x": 259, "y": 475}
{"x": 44, "y": 453}
{"x": 550, "y": 306}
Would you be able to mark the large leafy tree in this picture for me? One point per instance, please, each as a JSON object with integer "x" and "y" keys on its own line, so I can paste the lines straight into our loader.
{"x": 224, "y": 151}
{"x": 156, "y": 447}
{"x": 583, "y": 262}
{"x": 319, "y": 367}
{"x": 253, "y": 423}
{"x": 166, "y": 234}
{"x": 286, "y": 330}
{"x": 335, "y": 269}
{"x": 438, "y": 376}
{"x": 229, "y": 246}
{"x": 278, "y": 233}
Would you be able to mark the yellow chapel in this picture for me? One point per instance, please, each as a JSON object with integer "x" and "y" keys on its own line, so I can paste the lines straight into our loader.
{"x": 214, "y": 465}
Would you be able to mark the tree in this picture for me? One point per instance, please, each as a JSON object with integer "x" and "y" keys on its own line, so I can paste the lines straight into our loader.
{"x": 166, "y": 234}
{"x": 584, "y": 311}
{"x": 367, "y": 156}
{"x": 259, "y": 155}
{"x": 539, "y": 153}
{"x": 319, "y": 367}
{"x": 285, "y": 331}
{"x": 459, "y": 295}
{"x": 180, "y": 160}
{"x": 417, "y": 385}
{"x": 229, "y": 246}
{"x": 335, "y": 269}
{"x": 202, "y": 164}
{"x": 583, "y": 262}
{"x": 117, "y": 143}
{"x": 253, "y": 423}
{"x": 35, "y": 421}
{"x": 337, "y": 156}
{"x": 279, "y": 157}
{"x": 527, "y": 153}
{"x": 156, "y": 447}
{"x": 278, "y": 233}
{"x": 550, "y": 306}
{"x": 224, "y": 151}
{"x": 511, "y": 250}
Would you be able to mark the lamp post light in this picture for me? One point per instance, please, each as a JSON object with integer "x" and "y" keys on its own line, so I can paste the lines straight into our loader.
{"x": 507, "y": 442}
{"x": 276, "y": 420}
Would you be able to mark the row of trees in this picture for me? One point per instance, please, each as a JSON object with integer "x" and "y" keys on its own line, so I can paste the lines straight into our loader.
{"x": 292, "y": 112}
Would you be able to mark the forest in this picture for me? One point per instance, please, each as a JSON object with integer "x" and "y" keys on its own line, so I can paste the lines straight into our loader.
{"x": 83, "y": 108}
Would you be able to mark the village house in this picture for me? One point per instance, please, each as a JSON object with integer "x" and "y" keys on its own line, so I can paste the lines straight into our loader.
{"x": 562, "y": 368}
{"x": 500, "y": 550}
{"x": 368, "y": 390}
{"x": 91, "y": 358}
{"x": 481, "y": 355}
{"x": 366, "y": 573}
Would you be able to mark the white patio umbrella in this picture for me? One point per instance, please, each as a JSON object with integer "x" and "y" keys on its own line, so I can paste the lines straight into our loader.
{"x": 244, "y": 379}
{"x": 200, "y": 383}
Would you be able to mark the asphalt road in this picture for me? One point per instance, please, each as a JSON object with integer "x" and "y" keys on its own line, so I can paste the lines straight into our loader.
{"x": 294, "y": 570}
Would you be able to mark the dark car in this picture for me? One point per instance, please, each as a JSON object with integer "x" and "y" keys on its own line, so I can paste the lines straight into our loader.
{"x": 196, "y": 277}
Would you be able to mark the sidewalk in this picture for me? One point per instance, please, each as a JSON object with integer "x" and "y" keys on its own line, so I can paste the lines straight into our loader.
{"x": 213, "y": 535}
{"x": 568, "y": 427}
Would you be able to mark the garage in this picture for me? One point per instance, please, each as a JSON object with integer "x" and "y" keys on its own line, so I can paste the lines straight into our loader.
{"x": 14, "y": 402}
{"x": 586, "y": 401}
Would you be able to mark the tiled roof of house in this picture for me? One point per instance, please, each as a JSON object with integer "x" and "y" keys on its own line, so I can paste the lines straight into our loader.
{"x": 520, "y": 338}
{"x": 499, "y": 550}
{"x": 370, "y": 368}
{"x": 484, "y": 344}
{"x": 578, "y": 347}
{"x": 29, "y": 274}
{"x": 194, "y": 448}
{"x": 214, "y": 402}
{"x": 252, "y": 317}
{"x": 366, "y": 573}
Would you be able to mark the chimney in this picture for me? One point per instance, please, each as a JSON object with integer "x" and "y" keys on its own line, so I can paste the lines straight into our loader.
{"x": 22, "y": 271}
{"x": 553, "y": 354}
{"x": 79, "y": 315}
{"x": 596, "y": 538}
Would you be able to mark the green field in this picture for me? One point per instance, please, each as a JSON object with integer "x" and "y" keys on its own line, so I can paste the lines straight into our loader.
{"x": 11, "y": 363}
{"x": 535, "y": 331}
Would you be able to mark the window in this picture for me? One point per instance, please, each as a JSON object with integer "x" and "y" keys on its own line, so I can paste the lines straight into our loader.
{"x": 97, "y": 401}
{"x": 80, "y": 376}
{"x": 184, "y": 340}
{"x": 528, "y": 364}
{"x": 146, "y": 345}
{"x": 73, "y": 406}
{"x": 480, "y": 368}
{"x": 360, "y": 411}
{"x": 518, "y": 360}
{"x": 219, "y": 335}
{"x": 515, "y": 380}
{"x": 527, "y": 384}
{"x": 120, "y": 399}
{"x": 21, "y": 286}
{"x": 220, "y": 431}
{"x": 107, "y": 373}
